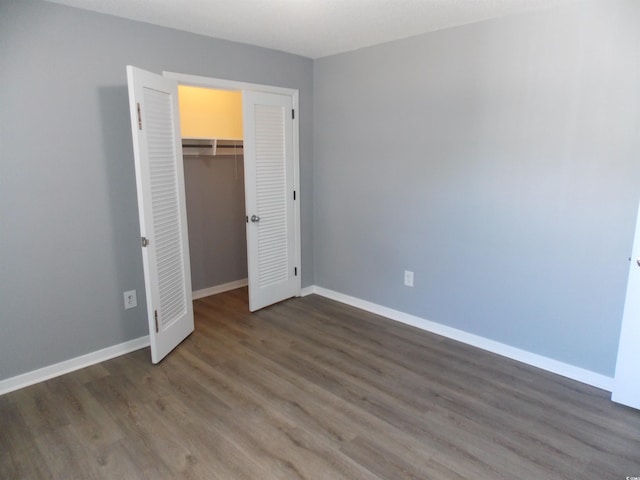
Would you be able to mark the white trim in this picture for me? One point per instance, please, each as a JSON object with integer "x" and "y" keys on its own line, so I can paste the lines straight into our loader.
{"x": 224, "y": 287}
{"x": 55, "y": 370}
{"x": 221, "y": 84}
{"x": 308, "y": 290}
{"x": 566, "y": 370}
{"x": 296, "y": 188}
{"x": 575, "y": 373}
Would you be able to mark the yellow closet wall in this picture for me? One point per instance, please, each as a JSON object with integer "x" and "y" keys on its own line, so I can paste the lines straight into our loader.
{"x": 206, "y": 113}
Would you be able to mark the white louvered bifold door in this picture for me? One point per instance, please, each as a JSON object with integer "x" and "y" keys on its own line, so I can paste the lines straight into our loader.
{"x": 161, "y": 205}
{"x": 269, "y": 191}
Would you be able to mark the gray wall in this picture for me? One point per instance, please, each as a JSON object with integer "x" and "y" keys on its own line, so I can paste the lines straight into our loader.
{"x": 69, "y": 239}
{"x": 500, "y": 162}
{"x": 217, "y": 228}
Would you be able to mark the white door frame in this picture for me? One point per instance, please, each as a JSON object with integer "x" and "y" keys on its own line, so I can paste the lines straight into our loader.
{"x": 221, "y": 84}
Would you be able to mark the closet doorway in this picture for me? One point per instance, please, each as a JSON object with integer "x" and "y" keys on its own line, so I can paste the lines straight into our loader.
{"x": 270, "y": 131}
{"x": 271, "y": 185}
{"x": 212, "y": 149}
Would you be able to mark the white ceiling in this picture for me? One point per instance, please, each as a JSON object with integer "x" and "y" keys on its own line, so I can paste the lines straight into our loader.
{"x": 311, "y": 28}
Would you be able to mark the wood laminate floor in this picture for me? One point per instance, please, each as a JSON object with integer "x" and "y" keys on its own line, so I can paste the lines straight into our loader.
{"x": 313, "y": 389}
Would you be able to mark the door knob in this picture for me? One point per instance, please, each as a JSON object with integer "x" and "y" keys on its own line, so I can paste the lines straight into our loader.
{"x": 638, "y": 261}
{"x": 256, "y": 219}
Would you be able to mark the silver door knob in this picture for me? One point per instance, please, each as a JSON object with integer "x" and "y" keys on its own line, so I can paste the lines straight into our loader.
{"x": 255, "y": 218}
{"x": 638, "y": 261}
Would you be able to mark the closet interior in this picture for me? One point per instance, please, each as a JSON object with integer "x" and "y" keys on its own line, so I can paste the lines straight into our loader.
{"x": 212, "y": 147}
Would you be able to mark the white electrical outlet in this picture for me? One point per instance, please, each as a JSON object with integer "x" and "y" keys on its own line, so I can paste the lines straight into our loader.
{"x": 408, "y": 278}
{"x": 130, "y": 299}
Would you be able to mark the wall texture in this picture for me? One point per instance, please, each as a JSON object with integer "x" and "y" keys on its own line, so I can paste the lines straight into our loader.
{"x": 499, "y": 162}
{"x": 69, "y": 242}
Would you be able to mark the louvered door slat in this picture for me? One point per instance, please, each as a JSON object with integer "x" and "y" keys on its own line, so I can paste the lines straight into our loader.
{"x": 164, "y": 201}
{"x": 271, "y": 194}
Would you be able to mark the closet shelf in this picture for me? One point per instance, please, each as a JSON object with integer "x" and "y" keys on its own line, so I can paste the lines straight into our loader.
{"x": 211, "y": 147}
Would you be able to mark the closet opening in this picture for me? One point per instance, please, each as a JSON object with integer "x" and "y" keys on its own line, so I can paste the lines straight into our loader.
{"x": 270, "y": 138}
{"x": 268, "y": 124}
{"x": 213, "y": 153}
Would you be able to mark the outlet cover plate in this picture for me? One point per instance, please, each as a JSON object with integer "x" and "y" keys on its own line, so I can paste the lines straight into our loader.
{"x": 130, "y": 299}
{"x": 408, "y": 278}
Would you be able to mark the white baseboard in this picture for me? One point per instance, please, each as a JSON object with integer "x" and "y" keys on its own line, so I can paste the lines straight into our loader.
{"x": 566, "y": 370}
{"x": 570, "y": 371}
{"x": 225, "y": 287}
{"x": 52, "y": 371}
{"x": 308, "y": 291}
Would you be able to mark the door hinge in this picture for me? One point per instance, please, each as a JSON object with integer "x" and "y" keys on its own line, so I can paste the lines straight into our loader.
{"x": 293, "y": 114}
{"x": 145, "y": 241}
{"x": 294, "y": 194}
{"x": 139, "y": 117}
{"x": 295, "y": 271}
{"x": 155, "y": 314}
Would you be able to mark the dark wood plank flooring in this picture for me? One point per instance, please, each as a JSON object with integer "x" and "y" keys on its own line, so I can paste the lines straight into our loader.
{"x": 313, "y": 389}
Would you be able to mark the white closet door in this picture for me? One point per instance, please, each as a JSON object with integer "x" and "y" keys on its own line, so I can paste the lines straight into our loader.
{"x": 626, "y": 385}
{"x": 269, "y": 191}
{"x": 157, "y": 149}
